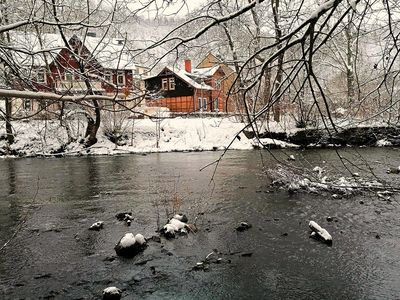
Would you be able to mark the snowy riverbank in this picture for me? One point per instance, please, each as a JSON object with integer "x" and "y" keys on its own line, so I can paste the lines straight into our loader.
{"x": 48, "y": 138}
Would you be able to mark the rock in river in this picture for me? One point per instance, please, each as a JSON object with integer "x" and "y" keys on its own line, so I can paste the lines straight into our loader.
{"x": 130, "y": 245}
{"x": 112, "y": 293}
{"x": 243, "y": 226}
{"x": 97, "y": 226}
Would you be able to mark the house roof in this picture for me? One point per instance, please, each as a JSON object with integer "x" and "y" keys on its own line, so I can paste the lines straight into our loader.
{"x": 107, "y": 51}
{"x": 205, "y": 72}
{"x": 28, "y": 50}
{"x": 211, "y": 60}
{"x": 190, "y": 78}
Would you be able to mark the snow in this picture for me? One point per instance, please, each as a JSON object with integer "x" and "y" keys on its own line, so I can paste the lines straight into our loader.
{"x": 97, "y": 225}
{"x": 383, "y": 143}
{"x": 112, "y": 290}
{"x": 177, "y": 224}
{"x": 140, "y": 239}
{"x": 169, "y": 228}
{"x": 186, "y": 77}
{"x": 107, "y": 51}
{"x": 205, "y": 72}
{"x": 127, "y": 240}
{"x": 44, "y": 138}
{"x": 320, "y": 231}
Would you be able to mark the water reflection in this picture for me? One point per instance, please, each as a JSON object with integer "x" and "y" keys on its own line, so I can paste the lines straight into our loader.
{"x": 11, "y": 176}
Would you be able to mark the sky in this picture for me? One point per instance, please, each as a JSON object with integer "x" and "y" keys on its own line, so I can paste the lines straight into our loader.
{"x": 167, "y": 7}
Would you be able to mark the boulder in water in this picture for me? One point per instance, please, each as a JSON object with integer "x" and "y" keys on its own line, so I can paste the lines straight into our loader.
{"x": 97, "y": 226}
{"x": 112, "y": 293}
{"x": 130, "y": 245}
{"x": 320, "y": 233}
{"x": 243, "y": 226}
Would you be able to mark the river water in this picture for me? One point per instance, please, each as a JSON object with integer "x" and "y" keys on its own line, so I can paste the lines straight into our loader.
{"x": 55, "y": 256}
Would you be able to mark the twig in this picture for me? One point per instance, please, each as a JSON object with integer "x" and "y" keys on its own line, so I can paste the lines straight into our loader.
{"x": 22, "y": 222}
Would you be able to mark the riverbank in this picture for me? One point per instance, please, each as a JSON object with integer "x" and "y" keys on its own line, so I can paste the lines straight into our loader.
{"x": 48, "y": 139}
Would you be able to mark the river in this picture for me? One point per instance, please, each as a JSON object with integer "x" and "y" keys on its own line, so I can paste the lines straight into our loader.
{"x": 55, "y": 256}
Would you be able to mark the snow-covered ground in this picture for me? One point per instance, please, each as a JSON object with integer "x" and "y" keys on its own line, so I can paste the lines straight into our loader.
{"x": 38, "y": 137}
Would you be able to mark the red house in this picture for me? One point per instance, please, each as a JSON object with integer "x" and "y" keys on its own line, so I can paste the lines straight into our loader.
{"x": 188, "y": 90}
{"x": 107, "y": 64}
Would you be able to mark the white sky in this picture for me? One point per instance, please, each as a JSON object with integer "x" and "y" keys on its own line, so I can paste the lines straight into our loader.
{"x": 162, "y": 7}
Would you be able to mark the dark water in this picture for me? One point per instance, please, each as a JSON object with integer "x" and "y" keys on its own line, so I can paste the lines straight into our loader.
{"x": 54, "y": 256}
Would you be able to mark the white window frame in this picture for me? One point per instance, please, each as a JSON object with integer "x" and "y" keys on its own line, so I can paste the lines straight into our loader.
{"x": 68, "y": 76}
{"x": 29, "y": 106}
{"x": 41, "y": 76}
{"x": 164, "y": 84}
{"x": 217, "y": 84}
{"x": 200, "y": 103}
{"x": 108, "y": 77}
{"x": 216, "y": 103}
{"x": 119, "y": 74}
{"x": 171, "y": 83}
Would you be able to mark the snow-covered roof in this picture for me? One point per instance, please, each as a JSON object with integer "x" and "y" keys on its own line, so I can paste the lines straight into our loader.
{"x": 205, "y": 72}
{"x": 190, "y": 78}
{"x": 107, "y": 51}
{"x": 110, "y": 53}
{"x": 24, "y": 44}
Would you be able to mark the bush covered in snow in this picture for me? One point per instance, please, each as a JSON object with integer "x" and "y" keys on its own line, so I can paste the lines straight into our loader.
{"x": 316, "y": 181}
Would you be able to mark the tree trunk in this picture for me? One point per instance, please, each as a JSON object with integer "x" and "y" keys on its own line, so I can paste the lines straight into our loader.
{"x": 350, "y": 62}
{"x": 10, "y": 135}
{"x": 5, "y": 38}
{"x": 93, "y": 126}
{"x": 276, "y": 108}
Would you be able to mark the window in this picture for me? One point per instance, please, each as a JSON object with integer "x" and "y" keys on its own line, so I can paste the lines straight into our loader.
{"x": 202, "y": 104}
{"x": 216, "y": 105}
{"x": 27, "y": 104}
{"x": 121, "y": 78}
{"x": 205, "y": 104}
{"x": 217, "y": 84}
{"x": 171, "y": 83}
{"x": 164, "y": 84}
{"x": 41, "y": 76}
{"x": 108, "y": 77}
{"x": 68, "y": 76}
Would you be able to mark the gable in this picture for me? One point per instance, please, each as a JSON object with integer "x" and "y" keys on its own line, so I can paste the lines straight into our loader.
{"x": 209, "y": 61}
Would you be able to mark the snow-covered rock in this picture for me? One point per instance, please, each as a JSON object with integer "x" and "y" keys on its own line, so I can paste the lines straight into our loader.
{"x": 319, "y": 232}
{"x": 112, "y": 293}
{"x": 181, "y": 217}
{"x": 130, "y": 245}
{"x": 169, "y": 231}
{"x": 139, "y": 238}
{"x": 383, "y": 143}
{"x": 177, "y": 224}
{"x": 243, "y": 226}
{"x": 97, "y": 226}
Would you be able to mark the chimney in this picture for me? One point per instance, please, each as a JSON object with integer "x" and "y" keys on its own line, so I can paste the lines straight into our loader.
{"x": 188, "y": 65}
